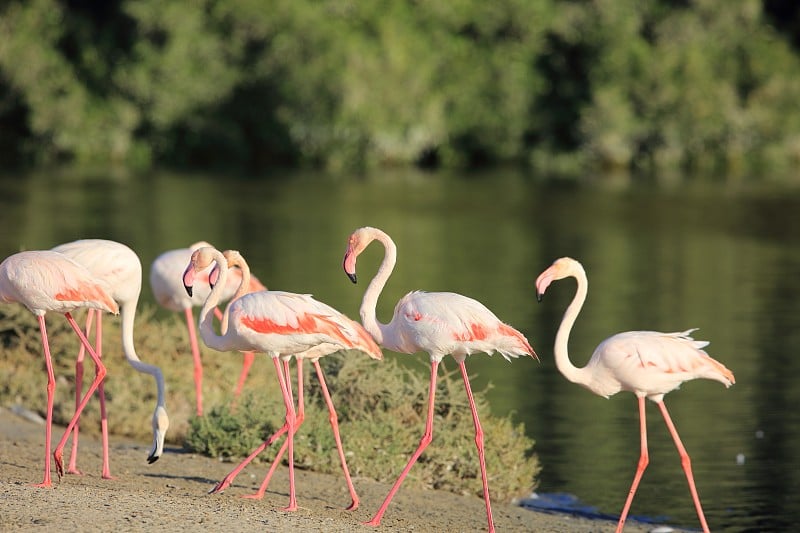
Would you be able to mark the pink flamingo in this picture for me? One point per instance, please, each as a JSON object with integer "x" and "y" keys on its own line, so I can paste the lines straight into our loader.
{"x": 646, "y": 363}
{"x": 165, "y": 282}
{"x": 439, "y": 323}
{"x": 121, "y": 268}
{"x": 280, "y": 324}
{"x": 46, "y": 281}
{"x": 235, "y": 259}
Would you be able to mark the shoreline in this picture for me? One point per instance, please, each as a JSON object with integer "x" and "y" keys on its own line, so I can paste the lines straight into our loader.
{"x": 172, "y": 493}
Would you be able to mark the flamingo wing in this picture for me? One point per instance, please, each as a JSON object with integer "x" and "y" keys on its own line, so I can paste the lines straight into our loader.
{"x": 49, "y": 281}
{"x": 446, "y": 322}
{"x": 289, "y": 323}
{"x": 652, "y": 363}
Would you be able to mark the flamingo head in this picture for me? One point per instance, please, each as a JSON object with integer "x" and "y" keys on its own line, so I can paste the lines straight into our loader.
{"x": 201, "y": 259}
{"x": 160, "y": 426}
{"x": 561, "y": 268}
{"x": 356, "y": 244}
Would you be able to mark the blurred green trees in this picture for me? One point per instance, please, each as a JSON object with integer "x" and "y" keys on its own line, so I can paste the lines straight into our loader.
{"x": 623, "y": 84}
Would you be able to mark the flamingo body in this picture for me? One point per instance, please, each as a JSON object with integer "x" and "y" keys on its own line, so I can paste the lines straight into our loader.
{"x": 647, "y": 363}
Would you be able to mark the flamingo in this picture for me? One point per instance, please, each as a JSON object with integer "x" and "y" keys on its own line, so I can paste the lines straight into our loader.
{"x": 46, "y": 281}
{"x": 646, "y": 363}
{"x": 234, "y": 258}
{"x": 165, "y": 282}
{"x": 121, "y": 268}
{"x": 280, "y": 324}
{"x": 438, "y": 323}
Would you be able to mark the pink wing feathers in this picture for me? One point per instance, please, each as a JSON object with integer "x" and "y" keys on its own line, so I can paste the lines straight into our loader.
{"x": 446, "y": 322}
{"x": 50, "y": 281}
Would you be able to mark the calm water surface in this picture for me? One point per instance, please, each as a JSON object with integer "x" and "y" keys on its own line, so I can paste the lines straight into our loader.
{"x": 725, "y": 259}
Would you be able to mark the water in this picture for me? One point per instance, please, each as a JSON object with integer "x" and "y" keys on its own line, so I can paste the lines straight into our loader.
{"x": 724, "y": 258}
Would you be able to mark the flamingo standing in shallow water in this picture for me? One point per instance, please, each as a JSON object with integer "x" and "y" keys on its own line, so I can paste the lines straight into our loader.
{"x": 439, "y": 323}
{"x": 165, "y": 282}
{"x": 121, "y": 268}
{"x": 280, "y": 324}
{"x": 646, "y": 363}
{"x": 46, "y": 281}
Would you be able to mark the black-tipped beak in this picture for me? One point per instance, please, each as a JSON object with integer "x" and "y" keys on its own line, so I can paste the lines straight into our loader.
{"x": 539, "y": 296}
{"x": 188, "y": 289}
{"x": 352, "y": 277}
{"x": 152, "y": 458}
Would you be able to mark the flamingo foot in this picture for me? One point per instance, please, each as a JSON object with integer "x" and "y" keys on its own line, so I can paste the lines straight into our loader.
{"x": 74, "y": 471}
{"x": 254, "y": 496}
{"x": 291, "y": 508}
{"x": 353, "y": 506}
{"x": 220, "y": 487}
{"x": 109, "y": 476}
{"x": 46, "y": 484}
{"x": 375, "y": 522}
{"x": 57, "y": 455}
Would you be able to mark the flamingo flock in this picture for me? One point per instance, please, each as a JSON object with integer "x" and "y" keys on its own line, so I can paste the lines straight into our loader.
{"x": 106, "y": 276}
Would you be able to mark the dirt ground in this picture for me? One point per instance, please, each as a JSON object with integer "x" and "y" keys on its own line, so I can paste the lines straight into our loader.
{"x": 172, "y": 494}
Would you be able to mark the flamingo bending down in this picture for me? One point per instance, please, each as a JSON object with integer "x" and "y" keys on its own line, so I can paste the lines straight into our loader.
{"x": 46, "y": 281}
{"x": 165, "y": 282}
{"x": 439, "y": 323}
{"x": 280, "y": 324}
{"x": 121, "y": 268}
{"x": 646, "y": 363}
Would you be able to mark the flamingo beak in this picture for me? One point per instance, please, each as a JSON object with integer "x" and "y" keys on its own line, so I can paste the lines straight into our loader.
{"x": 352, "y": 277}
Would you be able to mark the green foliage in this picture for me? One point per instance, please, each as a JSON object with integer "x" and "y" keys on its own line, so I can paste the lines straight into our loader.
{"x": 381, "y": 409}
{"x": 642, "y": 85}
{"x": 381, "y": 405}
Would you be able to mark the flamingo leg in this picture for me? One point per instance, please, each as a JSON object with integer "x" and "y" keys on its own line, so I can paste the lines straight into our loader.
{"x": 249, "y": 357}
{"x": 227, "y": 480}
{"x": 72, "y": 468}
{"x": 301, "y": 415}
{"x": 101, "y": 392}
{"x": 479, "y": 443}
{"x": 426, "y": 439}
{"x": 644, "y": 459}
{"x": 198, "y": 364}
{"x": 686, "y": 463}
{"x": 51, "y": 387}
{"x": 334, "y": 420}
{"x": 291, "y": 423}
{"x": 100, "y": 374}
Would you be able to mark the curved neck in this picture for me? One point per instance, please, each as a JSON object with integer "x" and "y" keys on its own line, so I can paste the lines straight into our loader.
{"x": 564, "y": 365}
{"x": 369, "y": 303}
{"x": 207, "y": 333}
{"x": 244, "y": 288}
{"x": 128, "y": 313}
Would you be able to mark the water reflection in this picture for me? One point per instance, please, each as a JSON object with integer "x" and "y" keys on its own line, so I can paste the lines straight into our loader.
{"x": 725, "y": 261}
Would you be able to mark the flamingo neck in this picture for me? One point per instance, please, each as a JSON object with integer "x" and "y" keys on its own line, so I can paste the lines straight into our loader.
{"x": 128, "y": 313}
{"x": 369, "y": 303}
{"x": 563, "y": 363}
{"x": 207, "y": 333}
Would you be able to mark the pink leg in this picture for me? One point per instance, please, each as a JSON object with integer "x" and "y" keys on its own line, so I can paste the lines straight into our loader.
{"x": 73, "y": 456}
{"x": 227, "y": 480}
{"x": 334, "y": 420}
{"x": 51, "y": 387}
{"x": 198, "y": 364}
{"x": 644, "y": 459}
{"x": 426, "y": 439}
{"x": 686, "y": 463}
{"x": 98, "y": 342}
{"x": 479, "y": 444}
{"x": 100, "y": 374}
{"x": 301, "y": 415}
{"x": 291, "y": 423}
